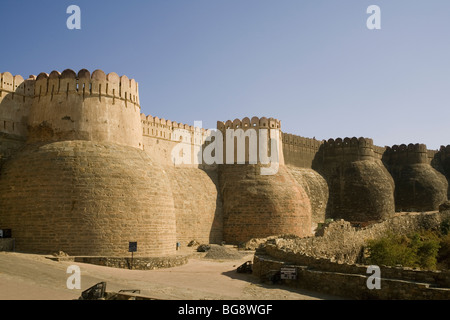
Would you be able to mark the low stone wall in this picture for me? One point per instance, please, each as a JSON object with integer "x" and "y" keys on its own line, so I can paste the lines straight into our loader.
{"x": 353, "y": 285}
{"x": 340, "y": 242}
{"x": 140, "y": 263}
{"x": 328, "y": 263}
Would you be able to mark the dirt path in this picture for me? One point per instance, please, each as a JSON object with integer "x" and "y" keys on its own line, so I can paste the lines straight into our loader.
{"x": 26, "y": 276}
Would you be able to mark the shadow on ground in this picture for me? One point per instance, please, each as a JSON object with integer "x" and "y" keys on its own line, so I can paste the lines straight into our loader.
{"x": 255, "y": 281}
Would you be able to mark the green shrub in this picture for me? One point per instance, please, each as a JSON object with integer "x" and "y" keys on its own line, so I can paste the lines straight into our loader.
{"x": 415, "y": 250}
{"x": 444, "y": 253}
{"x": 445, "y": 226}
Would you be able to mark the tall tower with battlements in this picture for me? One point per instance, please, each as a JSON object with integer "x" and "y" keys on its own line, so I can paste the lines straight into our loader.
{"x": 81, "y": 182}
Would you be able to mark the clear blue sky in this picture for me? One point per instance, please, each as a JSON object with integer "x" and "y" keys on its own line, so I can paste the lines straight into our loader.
{"x": 312, "y": 64}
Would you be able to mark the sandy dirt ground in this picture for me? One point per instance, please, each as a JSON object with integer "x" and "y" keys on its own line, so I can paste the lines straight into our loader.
{"x": 34, "y": 277}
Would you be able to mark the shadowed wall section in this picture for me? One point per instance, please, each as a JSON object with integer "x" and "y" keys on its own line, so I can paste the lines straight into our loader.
{"x": 441, "y": 162}
{"x": 418, "y": 186}
{"x": 316, "y": 188}
{"x": 361, "y": 188}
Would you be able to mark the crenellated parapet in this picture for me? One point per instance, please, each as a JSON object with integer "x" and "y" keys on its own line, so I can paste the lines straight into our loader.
{"x": 406, "y": 154}
{"x": 418, "y": 185}
{"x": 242, "y": 140}
{"x": 304, "y": 144}
{"x": 442, "y": 156}
{"x": 161, "y": 128}
{"x": 441, "y": 161}
{"x": 16, "y": 96}
{"x": 247, "y": 123}
{"x": 98, "y": 84}
{"x": 16, "y": 85}
{"x": 300, "y": 151}
{"x": 348, "y": 149}
{"x": 445, "y": 151}
{"x": 85, "y": 106}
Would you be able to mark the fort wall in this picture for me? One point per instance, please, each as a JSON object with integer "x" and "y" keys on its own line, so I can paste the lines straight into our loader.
{"x": 197, "y": 200}
{"x": 77, "y": 147}
{"x": 418, "y": 186}
{"x": 16, "y": 96}
{"x": 174, "y": 143}
{"x": 299, "y": 151}
{"x": 97, "y": 107}
{"x": 254, "y": 204}
{"x": 87, "y": 198}
{"x": 316, "y": 188}
{"x": 248, "y": 133}
{"x": 441, "y": 162}
{"x": 356, "y": 179}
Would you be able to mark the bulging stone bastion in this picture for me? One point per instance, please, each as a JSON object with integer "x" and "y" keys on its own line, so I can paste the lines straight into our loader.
{"x": 82, "y": 183}
{"x": 84, "y": 171}
{"x": 361, "y": 189}
{"x": 256, "y": 204}
{"x": 418, "y": 186}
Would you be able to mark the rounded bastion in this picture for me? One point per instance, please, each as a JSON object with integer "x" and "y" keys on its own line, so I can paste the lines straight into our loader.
{"x": 361, "y": 188}
{"x": 418, "y": 186}
{"x": 82, "y": 183}
{"x": 97, "y": 107}
{"x": 257, "y": 205}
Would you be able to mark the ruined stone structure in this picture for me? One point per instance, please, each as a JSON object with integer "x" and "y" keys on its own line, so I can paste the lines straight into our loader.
{"x": 82, "y": 170}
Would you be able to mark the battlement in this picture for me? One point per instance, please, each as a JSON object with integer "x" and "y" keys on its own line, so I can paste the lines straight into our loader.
{"x": 445, "y": 150}
{"x": 299, "y": 151}
{"x": 245, "y": 146}
{"x": 84, "y": 83}
{"x": 160, "y": 128}
{"x": 348, "y": 143}
{"x": 246, "y": 123}
{"x": 441, "y": 158}
{"x": 301, "y": 142}
{"x": 16, "y": 85}
{"x": 406, "y": 154}
{"x": 16, "y": 96}
{"x": 348, "y": 149}
{"x": 85, "y": 106}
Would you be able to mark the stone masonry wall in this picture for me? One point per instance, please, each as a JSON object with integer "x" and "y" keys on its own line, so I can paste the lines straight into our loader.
{"x": 16, "y": 96}
{"x": 259, "y": 206}
{"x": 85, "y": 106}
{"x": 418, "y": 186}
{"x": 326, "y": 263}
{"x": 342, "y": 243}
{"x": 197, "y": 200}
{"x": 87, "y": 198}
{"x": 400, "y": 284}
{"x": 317, "y": 190}
{"x": 361, "y": 188}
